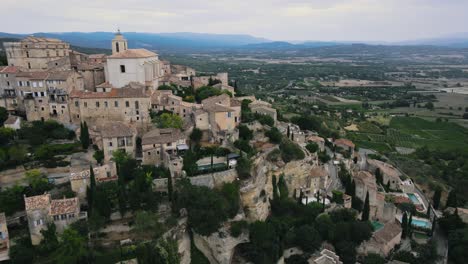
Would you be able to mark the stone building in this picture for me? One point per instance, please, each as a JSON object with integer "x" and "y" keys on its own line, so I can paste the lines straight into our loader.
{"x": 325, "y": 257}
{"x": 131, "y": 65}
{"x": 42, "y": 210}
{"x": 117, "y": 136}
{"x": 366, "y": 183}
{"x": 199, "y": 81}
{"x": 35, "y": 52}
{"x": 130, "y": 105}
{"x": 164, "y": 100}
{"x": 162, "y": 140}
{"x": 223, "y": 116}
{"x": 383, "y": 240}
{"x": 8, "y": 85}
{"x": 345, "y": 144}
{"x": 4, "y": 239}
{"x": 13, "y": 122}
{"x": 263, "y": 108}
{"x": 388, "y": 171}
{"x": 320, "y": 141}
{"x": 80, "y": 178}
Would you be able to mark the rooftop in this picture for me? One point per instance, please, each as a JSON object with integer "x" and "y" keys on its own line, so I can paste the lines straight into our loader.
{"x": 33, "y": 75}
{"x": 346, "y": 142}
{"x": 11, "y": 120}
{"x": 366, "y": 178}
{"x": 64, "y": 206}
{"x": 388, "y": 232}
{"x": 133, "y": 53}
{"x": 9, "y": 69}
{"x": 162, "y": 136}
{"x": 125, "y": 92}
{"x": 115, "y": 129}
{"x": 385, "y": 168}
{"x": 37, "y": 202}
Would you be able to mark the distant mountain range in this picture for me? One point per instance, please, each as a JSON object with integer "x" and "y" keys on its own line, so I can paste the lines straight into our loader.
{"x": 185, "y": 41}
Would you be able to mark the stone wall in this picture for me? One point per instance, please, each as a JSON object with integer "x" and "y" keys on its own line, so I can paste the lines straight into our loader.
{"x": 211, "y": 180}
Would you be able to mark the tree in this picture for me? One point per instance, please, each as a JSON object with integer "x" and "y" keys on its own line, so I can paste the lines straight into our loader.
{"x": 245, "y": 133}
{"x": 18, "y": 153}
{"x": 290, "y": 151}
{"x": 404, "y": 225}
{"x": 429, "y": 105}
{"x": 244, "y": 165}
{"x": 167, "y": 120}
{"x": 452, "y": 199}
{"x": 72, "y": 248}
{"x": 49, "y": 241}
{"x": 98, "y": 156}
{"x": 147, "y": 225}
{"x": 6, "y": 135}
{"x": 275, "y": 188}
{"x": 3, "y": 115}
{"x": 163, "y": 251}
{"x": 282, "y": 188}
{"x": 274, "y": 135}
{"x": 84, "y": 135}
{"x": 37, "y": 181}
{"x": 378, "y": 176}
{"x": 169, "y": 187}
{"x": 190, "y": 163}
{"x": 366, "y": 209}
{"x": 308, "y": 238}
{"x": 312, "y": 147}
{"x": 436, "y": 198}
{"x": 410, "y": 227}
{"x": 373, "y": 258}
{"x": 205, "y": 92}
{"x": 196, "y": 135}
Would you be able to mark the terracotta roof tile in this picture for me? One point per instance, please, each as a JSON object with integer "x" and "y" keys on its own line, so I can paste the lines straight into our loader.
{"x": 37, "y": 202}
{"x": 343, "y": 141}
{"x": 133, "y": 53}
{"x": 64, "y": 206}
{"x": 162, "y": 136}
{"x": 115, "y": 129}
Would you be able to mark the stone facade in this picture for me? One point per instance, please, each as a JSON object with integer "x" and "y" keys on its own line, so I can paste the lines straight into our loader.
{"x": 41, "y": 210}
{"x": 80, "y": 181}
{"x": 4, "y": 239}
{"x": 157, "y": 141}
{"x": 35, "y": 53}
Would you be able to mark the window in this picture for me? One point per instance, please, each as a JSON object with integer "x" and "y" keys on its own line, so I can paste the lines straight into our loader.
{"x": 56, "y": 218}
{"x": 149, "y": 153}
{"x": 116, "y": 104}
{"x": 63, "y": 217}
{"x": 27, "y": 54}
{"x": 28, "y": 83}
{"x": 85, "y": 104}
{"x": 8, "y": 83}
{"x": 77, "y": 103}
{"x": 122, "y": 68}
{"x": 117, "y": 48}
{"x": 137, "y": 105}
{"x": 40, "y": 84}
{"x": 42, "y": 94}
{"x": 138, "y": 118}
{"x": 70, "y": 216}
{"x": 29, "y": 65}
{"x": 97, "y": 104}
{"x": 35, "y": 94}
{"x": 137, "y": 112}
{"x": 127, "y": 104}
{"x": 229, "y": 114}
{"x": 34, "y": 84}
{"x": 105, "y": 104}
{"x": 110, "y": 144}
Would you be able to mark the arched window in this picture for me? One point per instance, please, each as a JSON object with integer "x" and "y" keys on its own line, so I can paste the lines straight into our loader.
{"x": 117, "y": 47}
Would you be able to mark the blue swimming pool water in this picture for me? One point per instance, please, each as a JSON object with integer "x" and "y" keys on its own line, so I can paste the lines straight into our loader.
{"x": 421, "y": 223}
{"x": 413, "y": 198}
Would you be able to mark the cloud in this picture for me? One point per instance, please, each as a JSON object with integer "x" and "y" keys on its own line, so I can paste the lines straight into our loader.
{"x": 386, "y": 20}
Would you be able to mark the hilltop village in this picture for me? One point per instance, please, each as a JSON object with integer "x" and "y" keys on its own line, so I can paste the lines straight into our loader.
{"x": 127, "y": 158}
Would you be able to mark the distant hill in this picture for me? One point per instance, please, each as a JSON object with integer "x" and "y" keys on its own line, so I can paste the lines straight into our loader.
{"x": 162, "y": 41}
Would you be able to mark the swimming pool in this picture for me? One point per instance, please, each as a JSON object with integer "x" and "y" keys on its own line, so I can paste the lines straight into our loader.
{"x": 421, "y": 223}
{"x": 413, "y": 198}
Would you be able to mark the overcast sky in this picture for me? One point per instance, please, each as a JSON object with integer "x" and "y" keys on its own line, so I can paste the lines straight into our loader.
{"x": 364, "y": 20}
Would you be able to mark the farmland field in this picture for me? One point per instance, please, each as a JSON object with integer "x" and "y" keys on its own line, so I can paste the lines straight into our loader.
{"x": 413, "y": 132}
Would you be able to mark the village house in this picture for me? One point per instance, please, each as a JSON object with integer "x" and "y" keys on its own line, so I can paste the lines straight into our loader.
{"x": 80, "y": 178}
{"x": 162, "y": 140}
{"x": 221, "y": 118}
{"x": 165, "y": 100}
{"x": 345, "y": 144}
{"x": 263, "y": 108}
{"x": 42, "y": 210}
{"x": 4, "y": 239}
{"x": 13, "y": 122}
{"x": 8, "y": 85}
{"x": 325, "y": 257}
{"x": 130, "y": 105}
{"x": 116, "y": 136}
{"x": 317, "y": 140}
{"x": 199, "y": 81}
{"x": 383, "y": 241}
{"x": 390, "y": 174}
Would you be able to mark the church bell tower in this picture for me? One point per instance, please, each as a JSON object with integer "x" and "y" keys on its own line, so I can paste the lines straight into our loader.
{"x": 119, "y": 43}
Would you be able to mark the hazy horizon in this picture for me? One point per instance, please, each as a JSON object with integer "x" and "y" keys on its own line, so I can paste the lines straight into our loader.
{"x": 278, "y": 20}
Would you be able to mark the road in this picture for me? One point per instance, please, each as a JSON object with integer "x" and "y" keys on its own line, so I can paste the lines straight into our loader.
{"x": 335, "y": 183}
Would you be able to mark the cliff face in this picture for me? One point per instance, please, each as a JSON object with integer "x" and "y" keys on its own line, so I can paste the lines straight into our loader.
{"x": 219, "y": 246}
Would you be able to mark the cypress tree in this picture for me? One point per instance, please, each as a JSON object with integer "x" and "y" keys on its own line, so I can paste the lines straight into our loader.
{"x": 282, "y": 188}
{"x": 169, "y": 187}
{"x": 409, "y": 224}
{"x": 404, "y": 225}
{"x": 378, "y": 176}
{"x": 84, "y": 136}
{"x": 436, "y": 198}
{"x": 92, "y": 178}
{"x": 292, "y": 136}
{"x": 366, "y": 210}
{"x": 275, "y": 188}
{"x": 288, "y": 133}
{"x": 452, "y": 200}
{"x": 301, "y": 196}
